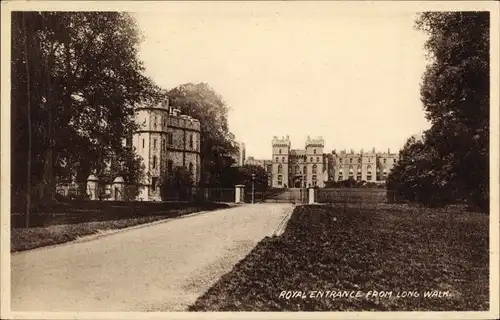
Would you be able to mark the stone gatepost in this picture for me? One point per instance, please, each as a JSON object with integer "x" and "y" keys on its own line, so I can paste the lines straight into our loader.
{"x": 92, "y": 187}
{"x": 312, "y": 193}
{"x": 240, "y": 193}
{"x": 118, "y": 189}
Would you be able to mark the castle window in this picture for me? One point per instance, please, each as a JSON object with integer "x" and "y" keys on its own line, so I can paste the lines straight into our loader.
{"x": 280, "y": 168}
{"x": 385, "y": 160}
{"x": 191, "y": 170}
{"x": 154, "y": 162}
{"x": 154, "y": 182}
{"x": 283, "y": 159}
{"x": 317, "y": 159}
{"x": 350, "y": 160}
{"x": 170, "y": 138}
{"x": 314, "y": 180}
{"x": 164, "y": 122}
{"x": 164, "y": 144}
{"x": 191, "y": 141}
{"x": 305, "y": 169}
{"x": 290, "y": 170}
{"x": 311, "y": 159}
{"x": 154, "y": 123}
{"x": 279, "y": 151}
{"x": 341, "y": 176}
{"x": 314, "y": 151}
{"x": 297, "y": 169}
{"x": 143, "y": 143}
{"x": 277, "y": 159}
{"x": 314, "y": 169}
{"x": 154, "y": 144}
{"x": 170, "y": 166}
{"x": 340, "y": 160}
{"x": 280, "y": 180}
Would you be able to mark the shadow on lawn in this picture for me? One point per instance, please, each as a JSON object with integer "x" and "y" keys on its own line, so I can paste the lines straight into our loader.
{"x": 76, "y": 212}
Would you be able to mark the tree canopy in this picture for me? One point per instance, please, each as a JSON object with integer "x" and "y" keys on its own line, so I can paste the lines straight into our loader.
{"x": 75, "y": 81}
{"x": 218, "y": 145}
{"x": 451, "y": 163}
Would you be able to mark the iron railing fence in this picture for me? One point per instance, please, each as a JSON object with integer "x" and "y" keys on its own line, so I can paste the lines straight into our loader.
{"x": 353, "y": 195}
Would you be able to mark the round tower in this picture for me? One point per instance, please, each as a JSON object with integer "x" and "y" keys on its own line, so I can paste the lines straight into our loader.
{"x": 150, "y": 142}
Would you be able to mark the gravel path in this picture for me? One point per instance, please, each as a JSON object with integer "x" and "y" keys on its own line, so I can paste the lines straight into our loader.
{"x": 163, "y": 267}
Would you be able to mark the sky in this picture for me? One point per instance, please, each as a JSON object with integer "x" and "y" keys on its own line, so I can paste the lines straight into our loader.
{"x": 351, "y": 77}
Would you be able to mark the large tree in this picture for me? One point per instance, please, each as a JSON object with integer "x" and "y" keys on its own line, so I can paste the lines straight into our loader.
{"x": 243, "y": 175}
{"x": 75, "y": 81}
{"x": 218, "y": 145}
{"x": 455, "y": 95}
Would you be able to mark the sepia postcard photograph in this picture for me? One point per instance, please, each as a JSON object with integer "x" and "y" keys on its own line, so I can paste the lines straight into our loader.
{"x": 250, "y": 159}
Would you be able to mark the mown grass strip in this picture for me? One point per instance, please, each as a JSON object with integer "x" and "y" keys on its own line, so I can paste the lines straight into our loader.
{"x": 54, "y": 230}
{"x": 337, "y": 248}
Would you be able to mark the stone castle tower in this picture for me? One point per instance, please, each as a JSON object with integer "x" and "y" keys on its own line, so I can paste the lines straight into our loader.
{"x": 150, "y": 142}
{"x": 280, "y": 165}
{"x": 314, "y": 160}
{"x": 166, "y": 139}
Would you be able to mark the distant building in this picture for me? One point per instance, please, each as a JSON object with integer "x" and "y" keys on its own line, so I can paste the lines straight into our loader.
{"x": 369, "y": 166}
{"x": 312, "y": 167}
{"x": 241, "y": 155}
{"x": 266, "y": 164}
{"x": 294, "y": 168}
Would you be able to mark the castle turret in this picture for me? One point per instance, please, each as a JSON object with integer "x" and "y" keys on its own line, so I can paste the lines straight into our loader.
{"x": 149, "y": 142}
{"x": 315, "y": 163}
{"x": 280, "y": 164}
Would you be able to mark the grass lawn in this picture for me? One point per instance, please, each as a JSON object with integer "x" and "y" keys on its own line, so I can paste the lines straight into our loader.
{"x": 61, "y": 228}
{"x": 355, "y": 250}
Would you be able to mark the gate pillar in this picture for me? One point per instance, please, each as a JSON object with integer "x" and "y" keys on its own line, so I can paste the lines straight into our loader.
{"x": 118, "y": 189}
{"x": 312, "y": 193}
{"x": 240, "y": 193}
{"x": 93, "y": 187}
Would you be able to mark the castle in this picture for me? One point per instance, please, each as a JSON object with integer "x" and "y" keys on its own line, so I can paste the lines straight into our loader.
{"x": 294, "y": 168}
{"x": 165, "y": 139}
{"x": 298, "y": 168}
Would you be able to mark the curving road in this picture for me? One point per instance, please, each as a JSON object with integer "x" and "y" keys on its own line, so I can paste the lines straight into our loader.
{"x": 162, "y": 267}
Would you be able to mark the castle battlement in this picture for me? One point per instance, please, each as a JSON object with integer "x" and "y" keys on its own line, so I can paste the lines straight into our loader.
{"x": 182, "y": 121}
{"x": 297, "y": 152}
{"x": 281, "y": 142}
{"x": 315, "y": 142}
{"x": 163, "y": 105}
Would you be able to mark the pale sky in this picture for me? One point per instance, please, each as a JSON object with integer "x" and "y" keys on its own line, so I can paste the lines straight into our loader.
{"x": 351, "y": 77}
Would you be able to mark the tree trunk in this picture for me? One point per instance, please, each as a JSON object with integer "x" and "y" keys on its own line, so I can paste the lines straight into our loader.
{"x": 28, "y": 169}
{"x": 49, "y": 187}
